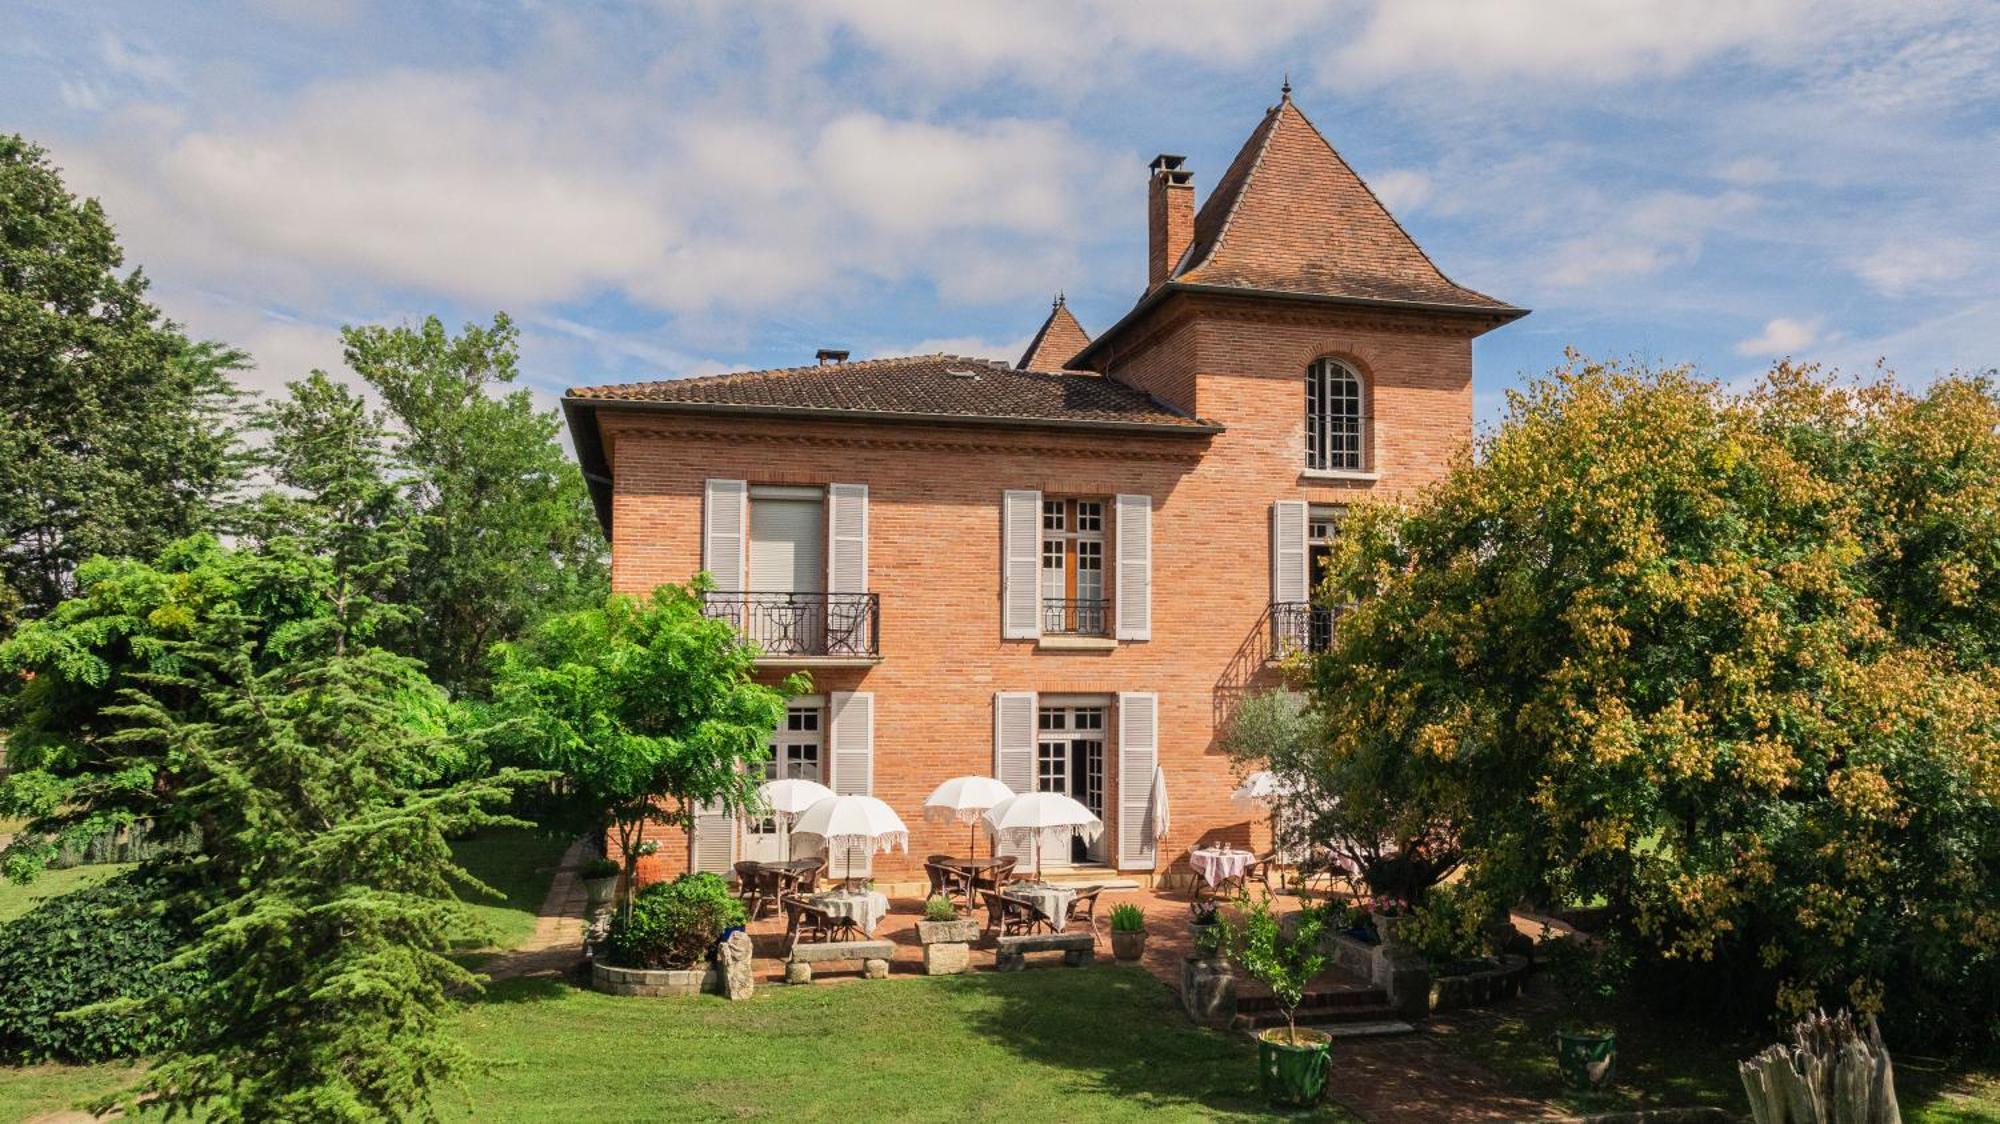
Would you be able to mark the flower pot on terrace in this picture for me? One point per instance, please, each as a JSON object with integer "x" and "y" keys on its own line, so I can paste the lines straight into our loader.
{"x": 1587, "y": 1058}
{"x": 1291, "y": 1065}
{"x": 1128, "y": 945}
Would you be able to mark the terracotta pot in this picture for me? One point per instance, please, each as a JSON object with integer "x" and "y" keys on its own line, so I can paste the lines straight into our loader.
{"x": 1128, "y": 946}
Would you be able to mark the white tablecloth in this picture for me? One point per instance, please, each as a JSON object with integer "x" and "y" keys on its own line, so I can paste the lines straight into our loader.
{"x": 864, "y": 909}
{"x": 1052, "y": 900}
{"x": 1217, "y": 866}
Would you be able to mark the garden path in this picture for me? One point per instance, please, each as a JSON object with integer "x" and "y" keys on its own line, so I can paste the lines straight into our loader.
{"x": 557, "y": 943}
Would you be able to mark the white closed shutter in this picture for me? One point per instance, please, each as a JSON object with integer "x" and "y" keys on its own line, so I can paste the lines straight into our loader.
{"x": 714, "y": 839}
{"x": 1138, "y": 756}
{"x": 851, "y": 745}
{"x": 787, "y": 540}
{"x": 1135, "y": 567}
{"x": 847, "y": 538}
{"x": 722, "y": 528}
{"x": 1020, "y": 565}
{"x": 1288, "y": 551}
{"x": 1014, "y": 750}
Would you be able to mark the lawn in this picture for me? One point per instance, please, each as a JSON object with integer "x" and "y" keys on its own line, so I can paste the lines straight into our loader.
{"x": 17, "y": 899}
{"x": 1107, "y": 1043}
{"x": 518, "y": 862}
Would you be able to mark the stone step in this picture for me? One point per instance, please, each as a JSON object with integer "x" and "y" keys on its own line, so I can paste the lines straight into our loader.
{"x": 1326, "y": 1018}
{"x": 1357, "y": 995}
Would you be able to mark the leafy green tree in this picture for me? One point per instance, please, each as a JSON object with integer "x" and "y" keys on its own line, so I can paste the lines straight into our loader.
{"x": 646, "y": 707}
{"x": 1723, "y": 661}
{"x": 509, "y": 535}
{"x": 115, "y": 430}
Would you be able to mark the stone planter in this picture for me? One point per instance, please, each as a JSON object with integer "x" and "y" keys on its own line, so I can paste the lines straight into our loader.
{"x": 1401, "y": 973}
{"x": 947, "y": 946}
{"x": 654, "y": 982}
{"x": 1208, "y": 992}
{"x": 597, "y": 893}
{"x": 1205, "y": 938}
{"x": 1500, "y": 982}
{"x": 1128, "y": 945}
{"x": 1388, "y": 929}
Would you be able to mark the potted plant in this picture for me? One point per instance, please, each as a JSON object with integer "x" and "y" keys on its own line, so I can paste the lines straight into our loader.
{"x": 1587, "y": 972}
{"x": 942, "y": 925}
{"x": 600, "y": 882}
{"x": 1128, "y": 931}
{"x": 1291, "y": 1061}
{"x": 1205, "y": 922}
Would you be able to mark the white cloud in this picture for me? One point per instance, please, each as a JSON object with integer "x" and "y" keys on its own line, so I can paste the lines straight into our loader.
{"x": 1782, "y": 336}
{"x": 972, "y": 347}
{"x": 1402, "y": 190}
{"x": 1662, "y": 230}
{"x": 1750, "y": 171}
{"x": 1901, "y": 267}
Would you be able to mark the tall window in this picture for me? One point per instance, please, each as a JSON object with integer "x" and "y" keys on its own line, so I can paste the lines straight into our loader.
{"x": 1073, "y": 566}
{"x": 1336, "y": 424}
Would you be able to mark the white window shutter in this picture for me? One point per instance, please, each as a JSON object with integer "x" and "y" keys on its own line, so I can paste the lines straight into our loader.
{"x": 847, "y": 538}
{"x": 1135, "y": 567}
{"x": 1138, "y": 756}
{"x": 724, "y": 519}
{"x": 714, "y": 839}
{"x": 1014, "y": 749}
{"x": 851, "y": 744}
{"x": 1020, "y": 565}
{"x": 1288, "y": 551}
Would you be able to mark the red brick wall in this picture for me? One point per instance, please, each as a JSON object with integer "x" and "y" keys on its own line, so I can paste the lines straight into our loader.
{"x": 934, "y": 541}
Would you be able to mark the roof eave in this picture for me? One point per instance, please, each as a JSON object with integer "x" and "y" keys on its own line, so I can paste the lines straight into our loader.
{"x": 1501, "y": 313}
{"x": 1191, "y": 428}
{"x": 581, "y": 416}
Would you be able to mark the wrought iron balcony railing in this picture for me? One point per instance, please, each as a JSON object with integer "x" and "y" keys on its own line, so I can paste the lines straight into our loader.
{"x": 804, "y": 624}
{"x": 1076, "y": 616}
{"x": 1301, "y": 626}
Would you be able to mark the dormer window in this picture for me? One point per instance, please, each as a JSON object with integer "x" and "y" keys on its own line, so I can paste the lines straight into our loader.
{"x": 1336, "y": 418}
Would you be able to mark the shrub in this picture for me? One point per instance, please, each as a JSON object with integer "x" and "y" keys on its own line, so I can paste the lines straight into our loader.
{"x": 103, "y": 942}
{"x": 939, "y": 908}
{"x": 1449, "y": 927}
{"x": 1127, "y": 918}
{"x": 599, "y": 868}
{"x": 674, "y": 924}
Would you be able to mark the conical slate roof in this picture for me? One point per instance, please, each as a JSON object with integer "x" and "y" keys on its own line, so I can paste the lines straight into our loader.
{"x": 1059, "y": 338}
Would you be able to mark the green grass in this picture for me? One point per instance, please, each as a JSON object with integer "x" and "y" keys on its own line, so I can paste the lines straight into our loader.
{"x": 1105, "y": 1043}
{"x": 519, "y": 863}
{"x": 17, "y": 899}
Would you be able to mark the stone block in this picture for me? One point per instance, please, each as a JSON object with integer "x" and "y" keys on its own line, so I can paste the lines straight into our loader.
{"x": 798, "y": 972}
{"x": 947, "y": 959}
{"x": 735, "y": 961}
{"x": 1208, "y": 992}
{"x": 875, "y": 968}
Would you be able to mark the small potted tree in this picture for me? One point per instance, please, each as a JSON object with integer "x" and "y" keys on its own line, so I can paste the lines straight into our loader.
{"x": 1291, "y": 1061}
{"x": 1205, "y": 924}
{"x": 1587, "y": 972}
{"x": 1128, "y": 931}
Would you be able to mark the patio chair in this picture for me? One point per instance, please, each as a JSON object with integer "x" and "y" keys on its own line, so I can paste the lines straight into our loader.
{"x": 807, "y": 922}
{"x": 1083, "y": 908}
{"x": 995, "y": 877}
{"x": 807, "y": 881}
{"x": 949, "y": 881}
{"x": 1009, "y": 916}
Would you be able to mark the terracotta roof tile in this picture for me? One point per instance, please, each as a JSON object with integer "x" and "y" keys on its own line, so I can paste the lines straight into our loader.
{"x": 1289, "y": 215}
{"x": 1059, "y": 338}
{"x": 945, "y": 387}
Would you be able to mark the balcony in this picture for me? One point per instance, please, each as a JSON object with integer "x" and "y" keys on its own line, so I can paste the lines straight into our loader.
{"x": 805, "y": 629}
{"x": 1301, "y": 626}
{"x": 1071, "y": 616}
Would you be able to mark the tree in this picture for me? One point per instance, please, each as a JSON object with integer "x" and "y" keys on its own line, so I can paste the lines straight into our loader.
{"x": 1723, "y": 661}
{"x": 115, "y": 429}
{"x": 509, "y": 535}
{"x": 646, "y": 707}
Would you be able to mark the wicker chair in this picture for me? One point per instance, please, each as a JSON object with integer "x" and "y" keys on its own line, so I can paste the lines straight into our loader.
{"x": 949, "y": 881}
{"x": 1083, "y": 908}
{"x": 995, "y": 878}
{"x": 749, "y": 876}
{"x": 807, "y": 922}
{"x": 807, "y": 881}
{"x": 1009, "y": 916}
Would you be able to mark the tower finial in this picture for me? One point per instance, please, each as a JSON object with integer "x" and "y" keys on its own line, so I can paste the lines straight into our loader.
{"x": 1058, "y": 302}
{"x": 1285, "y": 91}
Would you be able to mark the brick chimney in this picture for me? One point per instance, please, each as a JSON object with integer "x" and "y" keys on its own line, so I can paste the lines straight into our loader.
{"x": 1169, "y": 217}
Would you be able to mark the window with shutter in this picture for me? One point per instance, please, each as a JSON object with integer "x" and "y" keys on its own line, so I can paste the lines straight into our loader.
{"x": 1135, "y": 567}
{"x": 1020, "y": 565}
{"x": 722, "y": 532}
{"x": 1138, "y": 756}
{"x": 851, "y": 721}
{"x": 1014, "y": 749}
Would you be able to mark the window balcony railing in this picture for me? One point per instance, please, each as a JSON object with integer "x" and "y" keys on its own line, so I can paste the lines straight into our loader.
{"x": 1301, "y": 626}
{"x": 1076, "y": 616}
{"x": 838, "y": 625}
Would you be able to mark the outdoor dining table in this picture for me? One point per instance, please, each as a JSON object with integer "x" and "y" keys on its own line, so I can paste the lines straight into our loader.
{"x": 866, "y": 908}
{"x": 1051, "y": 900}
{"x": 1217, "y": 865}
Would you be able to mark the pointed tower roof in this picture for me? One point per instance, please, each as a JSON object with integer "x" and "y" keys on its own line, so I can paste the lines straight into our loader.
{"x": 1290, "y": 216}
{"x": 1058, "y": 340}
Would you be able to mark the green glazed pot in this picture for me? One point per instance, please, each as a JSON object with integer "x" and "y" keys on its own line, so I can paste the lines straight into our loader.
{"x": 1293, "y": 1075}
{"x": 1587, "y": 1059}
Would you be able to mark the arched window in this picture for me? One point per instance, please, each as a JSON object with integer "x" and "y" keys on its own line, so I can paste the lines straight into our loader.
{"x": 1336, "y": 421}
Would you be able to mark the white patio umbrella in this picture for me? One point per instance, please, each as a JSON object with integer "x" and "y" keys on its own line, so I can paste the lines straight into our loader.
{"x": 1163, "y": 822}
{"x": 1257, "y": 792}
{"x": 1031, "y": 815}
{"x": 789, "y": 797}
{"x": 963, "y": 800}
{"x": 854, "y": 821}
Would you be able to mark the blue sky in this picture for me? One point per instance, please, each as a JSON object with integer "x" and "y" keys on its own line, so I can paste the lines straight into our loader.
{"x": 654, "y": 190}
